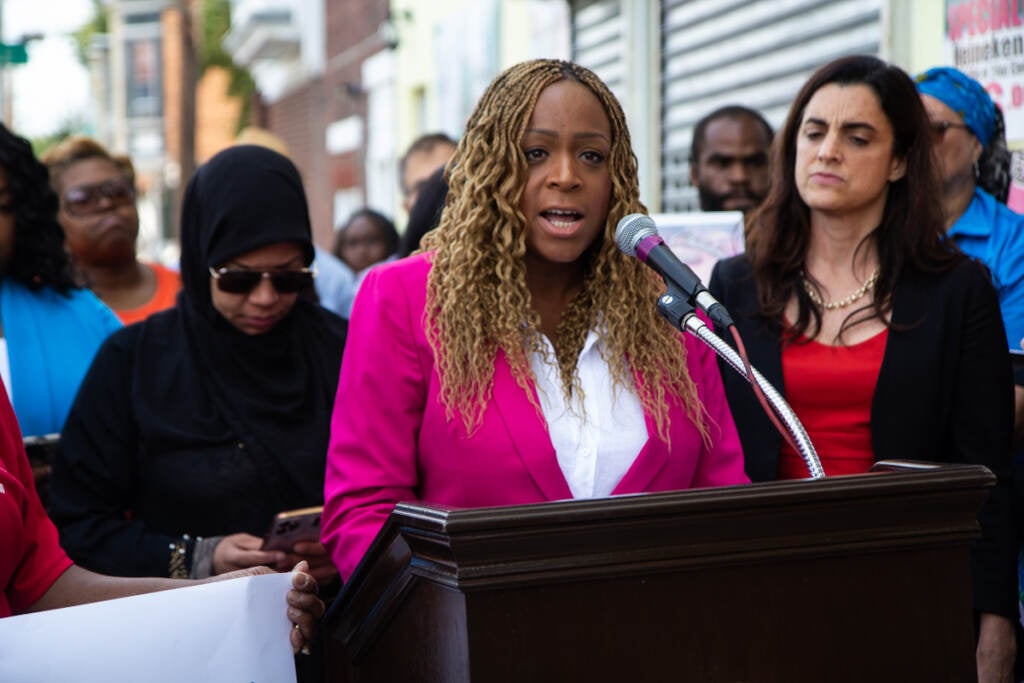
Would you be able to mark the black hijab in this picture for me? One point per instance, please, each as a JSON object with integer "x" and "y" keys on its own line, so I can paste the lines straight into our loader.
{"x": 211, "y": 383}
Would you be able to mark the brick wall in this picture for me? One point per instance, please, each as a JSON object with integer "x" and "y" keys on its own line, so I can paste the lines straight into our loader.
{"x": 298, "y": 119}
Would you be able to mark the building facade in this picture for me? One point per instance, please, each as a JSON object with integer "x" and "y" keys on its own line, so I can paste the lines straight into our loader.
{"x": 672, "y": 61}
{"x": 348, "y": 85}
{"x": 148, "y": 105}
{"x": 307, "y": 58}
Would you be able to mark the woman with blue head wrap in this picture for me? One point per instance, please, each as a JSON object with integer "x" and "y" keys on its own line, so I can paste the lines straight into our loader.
{"x": 957, "y": 102}
{"x": 969, "y": 138}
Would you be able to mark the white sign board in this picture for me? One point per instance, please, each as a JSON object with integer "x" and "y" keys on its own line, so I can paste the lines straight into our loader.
{"x": 701, "y": 238}
{"x": 226, "y": 631}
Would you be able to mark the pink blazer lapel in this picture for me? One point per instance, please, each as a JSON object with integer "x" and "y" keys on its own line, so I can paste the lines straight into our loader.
{"x": 649, "y": 462}
{"x": 528, "y": 432}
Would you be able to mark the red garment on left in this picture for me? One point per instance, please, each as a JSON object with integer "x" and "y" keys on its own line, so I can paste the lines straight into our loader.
{"x": 31, "y": 558}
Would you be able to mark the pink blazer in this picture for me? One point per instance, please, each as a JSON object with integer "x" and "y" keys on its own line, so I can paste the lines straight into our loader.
{"x": 390, "y": 440}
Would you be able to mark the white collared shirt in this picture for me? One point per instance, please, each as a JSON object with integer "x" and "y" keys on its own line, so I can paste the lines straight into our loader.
{"x": 595, "y": 446}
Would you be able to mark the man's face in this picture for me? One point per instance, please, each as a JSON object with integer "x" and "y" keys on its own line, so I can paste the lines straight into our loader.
{"x": 731, "y": 173}
{"x": 418, "y": 167}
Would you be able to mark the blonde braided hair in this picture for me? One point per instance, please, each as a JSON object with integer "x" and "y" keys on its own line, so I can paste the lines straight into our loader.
{"x": 478, "y": 302}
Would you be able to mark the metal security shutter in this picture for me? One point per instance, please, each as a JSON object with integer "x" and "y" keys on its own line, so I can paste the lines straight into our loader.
{"x": 598, "y": 40}
{"x": 752, "y": 52}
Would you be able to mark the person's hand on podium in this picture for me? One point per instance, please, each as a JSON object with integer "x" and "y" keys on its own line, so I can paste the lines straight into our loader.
{"x": 996, "y": 649}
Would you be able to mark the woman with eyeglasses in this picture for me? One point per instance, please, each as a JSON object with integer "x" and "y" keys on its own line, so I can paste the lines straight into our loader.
{"x": 886, "y": 340}
{"x": 196, "y": 426}
{"x": 50, "y": 328}
{"x": 101, "y": 225}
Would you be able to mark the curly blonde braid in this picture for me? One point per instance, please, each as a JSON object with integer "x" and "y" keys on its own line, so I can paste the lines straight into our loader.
{"x": 478, "y": 303}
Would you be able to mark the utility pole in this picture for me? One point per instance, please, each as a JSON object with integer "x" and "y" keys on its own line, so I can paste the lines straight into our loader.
{"x": 11, "y": 53}
{"x": 187, "y": 140}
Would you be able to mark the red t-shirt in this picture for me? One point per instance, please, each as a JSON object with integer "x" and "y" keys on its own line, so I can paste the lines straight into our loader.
{"x": 31, "y": 558}
{"x": 168, "y": 283}
{"x": 830, "y": 388}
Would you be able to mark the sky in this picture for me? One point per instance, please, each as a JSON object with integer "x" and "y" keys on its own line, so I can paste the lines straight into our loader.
{"x": 53, "y": 86}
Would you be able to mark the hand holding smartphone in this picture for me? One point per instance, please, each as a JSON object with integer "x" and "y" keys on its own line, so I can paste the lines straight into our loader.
{"x": 293, "y": 526}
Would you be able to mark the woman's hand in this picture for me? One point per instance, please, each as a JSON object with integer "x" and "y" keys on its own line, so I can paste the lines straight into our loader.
{"x": 304, "y": 608}
{"x": 320, "y": 565}
{"x": 241, "y": 551}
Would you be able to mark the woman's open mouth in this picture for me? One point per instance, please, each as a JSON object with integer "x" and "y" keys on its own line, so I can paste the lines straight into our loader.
{"x": 562, "y": 220}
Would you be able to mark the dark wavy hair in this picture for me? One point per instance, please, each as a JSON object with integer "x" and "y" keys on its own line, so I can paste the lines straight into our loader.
{"x": 425, "y": 214}
{"x": 911, "y": 233}
{"x": 38, "y": 258}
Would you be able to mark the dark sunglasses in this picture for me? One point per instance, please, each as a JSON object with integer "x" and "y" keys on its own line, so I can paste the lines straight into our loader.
{"x": 238, "y": 281}
{"x": 85, "y": 200}
{"x": 939, "y": 128}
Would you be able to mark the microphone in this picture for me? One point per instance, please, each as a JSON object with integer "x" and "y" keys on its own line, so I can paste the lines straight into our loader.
{"x": 637, "y": 235}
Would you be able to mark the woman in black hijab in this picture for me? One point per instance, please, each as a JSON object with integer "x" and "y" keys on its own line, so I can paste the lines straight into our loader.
{"x": 195, "y": 427}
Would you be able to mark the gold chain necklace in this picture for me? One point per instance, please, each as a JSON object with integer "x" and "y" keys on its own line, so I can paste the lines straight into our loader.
{"x": 812, "y": 293}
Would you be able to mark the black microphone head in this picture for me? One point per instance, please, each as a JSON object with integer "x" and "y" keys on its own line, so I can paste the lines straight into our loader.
{"x": 632, "y": 229}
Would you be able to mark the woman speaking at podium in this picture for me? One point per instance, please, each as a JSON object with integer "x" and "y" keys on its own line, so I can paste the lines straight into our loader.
{"x": 887, "y": 340}
{"x": 521, "y": 358}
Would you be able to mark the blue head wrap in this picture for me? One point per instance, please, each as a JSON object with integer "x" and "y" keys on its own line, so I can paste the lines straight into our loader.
{"x": 964, "y": 95}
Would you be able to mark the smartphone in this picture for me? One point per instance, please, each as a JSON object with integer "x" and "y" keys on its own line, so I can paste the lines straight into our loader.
{"x": 40, "y": 451}
{"x": 293, "y": 526}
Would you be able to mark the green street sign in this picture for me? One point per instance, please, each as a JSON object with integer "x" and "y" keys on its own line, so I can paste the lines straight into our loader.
{"x": 13, "y": 54}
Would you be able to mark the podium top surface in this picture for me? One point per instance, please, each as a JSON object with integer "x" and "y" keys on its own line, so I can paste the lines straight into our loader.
{"x": 888, "y": 480}
{"x": 903, "y": 505}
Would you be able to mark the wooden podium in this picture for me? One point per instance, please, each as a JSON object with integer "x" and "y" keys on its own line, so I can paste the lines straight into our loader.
{"x": 860, "y": 578}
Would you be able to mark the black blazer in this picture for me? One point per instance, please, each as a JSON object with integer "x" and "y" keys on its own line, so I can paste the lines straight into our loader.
{"x": 944, "y": 393}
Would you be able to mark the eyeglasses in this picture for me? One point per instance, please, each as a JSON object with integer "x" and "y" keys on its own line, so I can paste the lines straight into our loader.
{"x": 367, "y": 241}
{"x": 239, "y": 281}
{"x": 86, "y": 200}
{"x": 939, "y": 128}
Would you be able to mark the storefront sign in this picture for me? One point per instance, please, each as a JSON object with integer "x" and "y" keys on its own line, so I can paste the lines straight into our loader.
{"x": 985, "y": 40}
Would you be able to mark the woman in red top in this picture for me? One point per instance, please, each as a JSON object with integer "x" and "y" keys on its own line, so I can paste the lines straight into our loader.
{"x": 885, "y": 338}
{"x": 101, "y": 225}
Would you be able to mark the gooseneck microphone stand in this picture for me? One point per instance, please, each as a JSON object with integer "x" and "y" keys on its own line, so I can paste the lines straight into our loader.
{"x": 675, "y": 307}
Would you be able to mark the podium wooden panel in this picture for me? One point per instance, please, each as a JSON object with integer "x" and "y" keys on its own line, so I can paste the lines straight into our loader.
{"x": 860, "y": 578}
